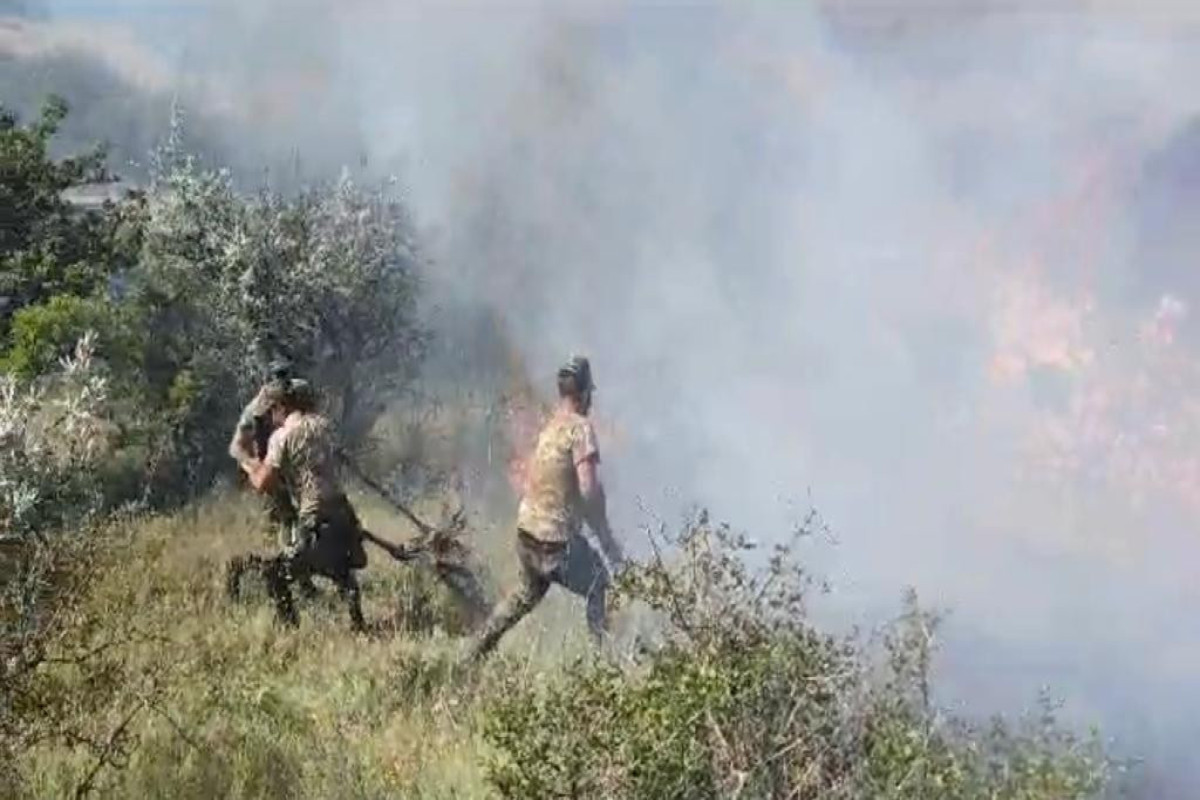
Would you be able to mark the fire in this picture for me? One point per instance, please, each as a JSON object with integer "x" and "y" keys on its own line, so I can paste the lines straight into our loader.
{"x": 523, "y": 421}
{"x": 524, "y": 412}
{"x": 524, "y": 417}
{"x": 1128, "y": 422}
{"x": 1160, "y": 331}
{"x": 1122, "y": 419}
{"x": 1033, "y": 328}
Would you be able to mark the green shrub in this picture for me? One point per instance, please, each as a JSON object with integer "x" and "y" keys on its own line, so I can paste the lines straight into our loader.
{"x": 189, "y": 286}
{"x": 743, "y": 698}
{"x": 46, "y": 247}
{"x": 43, "y": 334}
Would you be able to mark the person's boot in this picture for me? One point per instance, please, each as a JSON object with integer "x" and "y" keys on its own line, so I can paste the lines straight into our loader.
{"x": 281, "y": 593}
{"x": 307, "y": 589}
{"x": 348, "y": 589}
{"x": 474, "y": 651}
{"x": 480, "y": 646}
{"x": 236, "y": 569}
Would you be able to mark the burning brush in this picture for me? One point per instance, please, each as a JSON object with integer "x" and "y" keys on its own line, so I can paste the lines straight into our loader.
{"x": 441, "y": 548}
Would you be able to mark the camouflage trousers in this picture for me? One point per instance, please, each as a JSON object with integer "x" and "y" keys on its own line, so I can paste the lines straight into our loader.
{"x": 329, "y": 541}
{"x": 575, "y": 565}
{"x": 328, "y": 544}
{"x": 281, "y": 516}
{"x": 281, "y": 524}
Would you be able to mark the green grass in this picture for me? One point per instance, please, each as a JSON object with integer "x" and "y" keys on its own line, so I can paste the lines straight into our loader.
{"x": 226, "y": 703}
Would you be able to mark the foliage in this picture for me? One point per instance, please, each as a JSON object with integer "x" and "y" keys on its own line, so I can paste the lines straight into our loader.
{"x": 189, "y": 287}
{"x": 221, "y": 702}
{"x": 43, "y": 333}
{"x": 131, "y": 337}
{"x": 330, "y": 280}
{"x": 743, "y": 698}
{"x": 327, "y": 278}
{"x": 47, "y": 247}
{"x": 55, "y": 438}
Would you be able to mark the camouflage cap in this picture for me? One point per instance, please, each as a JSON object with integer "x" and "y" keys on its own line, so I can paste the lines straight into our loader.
{"x": 273, "y": 393}
{"x": 580, "y": 369}
{"x": 294, "y": 393}
{"x": 280, "y": 369}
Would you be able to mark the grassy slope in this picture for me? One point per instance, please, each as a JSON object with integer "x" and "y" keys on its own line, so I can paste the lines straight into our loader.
{"x": 229, "y": 705}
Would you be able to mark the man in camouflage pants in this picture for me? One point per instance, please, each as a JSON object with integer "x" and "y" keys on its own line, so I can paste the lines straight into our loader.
{"x": 563, "y": 490}
{"x": 250, "y": 441}
{"x": 300, "y": 459}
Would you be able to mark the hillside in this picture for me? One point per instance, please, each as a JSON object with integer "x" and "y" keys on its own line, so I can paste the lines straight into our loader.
{"x": 156, "y": 685}
{"x": 132, "y": 334}
{"x": 226, "y": 704}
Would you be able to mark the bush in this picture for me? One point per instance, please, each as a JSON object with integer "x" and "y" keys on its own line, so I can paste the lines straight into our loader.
{"x": 55, "y": 439}
{"x": 225, "y": 283}
{"x": 43, "y": 334}
{"x": 47, "y": 248}
{"x": 188, "y": 287}
{"x": 55, "y": 436}
{"x": 743, "y": 698}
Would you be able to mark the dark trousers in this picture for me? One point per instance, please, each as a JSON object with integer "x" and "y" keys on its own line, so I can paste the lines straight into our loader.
{"x": 328, "y": 544}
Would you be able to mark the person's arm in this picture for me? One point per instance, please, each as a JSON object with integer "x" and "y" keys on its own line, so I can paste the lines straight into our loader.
{"x": 242, "y": 444}
{"x": 242, "y": 448}
{"x": 595, "y": 506}
{"x": 595, "y": 509}
{"x": 264, "y": 473}
{"x": 263, "y": 477}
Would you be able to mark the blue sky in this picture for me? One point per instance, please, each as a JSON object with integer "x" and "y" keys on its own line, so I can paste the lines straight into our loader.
{"x": 156, "y": 22}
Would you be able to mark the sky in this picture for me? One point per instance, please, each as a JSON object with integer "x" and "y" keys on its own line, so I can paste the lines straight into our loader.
{"x": 925, "y": 265}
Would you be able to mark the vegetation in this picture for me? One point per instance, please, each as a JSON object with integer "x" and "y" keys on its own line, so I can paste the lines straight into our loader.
{"x": 188, "y": 288}
{"x": 744, "y": 698}
{"x": 216, "y": 700}
{"x": 46, "y": 247}
{"x": 130, "y": 337}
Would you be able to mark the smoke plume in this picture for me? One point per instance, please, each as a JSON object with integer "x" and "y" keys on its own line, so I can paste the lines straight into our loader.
{"x": 927, "y": 264}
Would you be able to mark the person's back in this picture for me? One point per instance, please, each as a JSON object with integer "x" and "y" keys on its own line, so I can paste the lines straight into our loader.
{"x": 302, "y": 449}
{"x": 562, "y": 490}
{"x": 551, "y": 506}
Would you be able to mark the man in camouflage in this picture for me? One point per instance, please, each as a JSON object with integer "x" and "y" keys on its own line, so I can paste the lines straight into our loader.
{"x": 563, "y": 490}
{"x": 300, "y": 459}
{"x": 250, "y": 441}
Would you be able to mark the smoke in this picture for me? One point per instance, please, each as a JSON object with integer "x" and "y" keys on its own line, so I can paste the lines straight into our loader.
{"x": 928, "y": 266}
{"x": 126, "y": 67}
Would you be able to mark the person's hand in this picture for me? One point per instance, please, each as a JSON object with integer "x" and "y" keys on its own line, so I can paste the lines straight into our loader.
{"x": 259, "y": 406}
{"x": 404, "y": 552}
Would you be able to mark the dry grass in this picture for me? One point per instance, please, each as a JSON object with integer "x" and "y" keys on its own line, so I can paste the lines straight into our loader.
{"x": 216, "y": 700}
{"x": 231, "y": 705}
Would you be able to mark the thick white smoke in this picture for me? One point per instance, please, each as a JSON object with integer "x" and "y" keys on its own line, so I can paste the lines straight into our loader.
{"x": 928, "y": 264}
